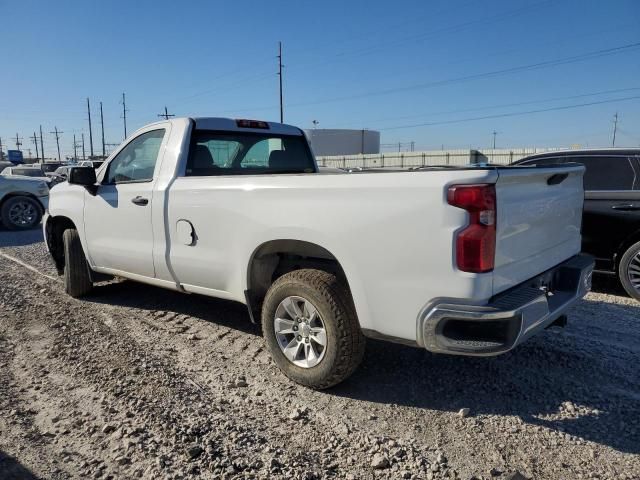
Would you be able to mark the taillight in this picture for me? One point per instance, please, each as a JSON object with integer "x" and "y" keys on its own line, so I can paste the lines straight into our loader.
{"x": 476, "y": 243}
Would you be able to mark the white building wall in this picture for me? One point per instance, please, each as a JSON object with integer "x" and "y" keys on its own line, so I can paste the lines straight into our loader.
{"x": 432, "y": 157}
{"x": 329, "y": 142}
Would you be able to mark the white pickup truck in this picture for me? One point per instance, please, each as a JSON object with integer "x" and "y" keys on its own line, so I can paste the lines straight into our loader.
{"x": 468, "y": 261}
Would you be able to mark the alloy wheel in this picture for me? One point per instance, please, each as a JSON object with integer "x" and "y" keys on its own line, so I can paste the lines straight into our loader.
{"x": 300, "y": 332}
{"x": 23, "y": 214}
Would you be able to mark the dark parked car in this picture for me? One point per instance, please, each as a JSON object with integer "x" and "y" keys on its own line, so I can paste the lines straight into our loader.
{"x": 611, "y": 220}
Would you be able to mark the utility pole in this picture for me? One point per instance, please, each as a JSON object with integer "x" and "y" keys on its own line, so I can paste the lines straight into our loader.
{"x": 494, "y": 139}
{"x": 166, "y": 114}
{"x": 84, "y": 157}
{"x": 124, "y": 114}
{"x": 280, "y": 75}
{"x": 1, "y": 152}
{"x": 57, "y": 134}
{"x": 102, "y": 125}
{"x": 75, "y": 149}
{"x": 615, "y": 129}
{"x": 90, "y": 131}
{"x": 29, "y": 150}
{"x": 41, "y": 144}
{"x": 18, "y": 142}
{"x": 35, "y": 142}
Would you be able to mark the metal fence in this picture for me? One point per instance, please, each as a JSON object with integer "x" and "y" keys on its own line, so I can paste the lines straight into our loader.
{"x": 431, "y": 157}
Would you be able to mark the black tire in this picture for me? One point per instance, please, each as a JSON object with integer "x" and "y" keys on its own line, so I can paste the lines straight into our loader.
{"x": 345, "y": 341}
{"x": 77, "y": 277}
{"x": 628, "y": 267}
{"x": 21, "y": 202}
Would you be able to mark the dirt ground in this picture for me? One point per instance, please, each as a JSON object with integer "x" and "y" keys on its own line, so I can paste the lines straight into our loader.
{"x": 139, "y": 382}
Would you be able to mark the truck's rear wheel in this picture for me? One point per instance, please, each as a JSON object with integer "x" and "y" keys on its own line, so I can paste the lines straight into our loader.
{"x": 629, "y": 271}
{"x": 311, "y": 329}
{"x": 77, "y": 277}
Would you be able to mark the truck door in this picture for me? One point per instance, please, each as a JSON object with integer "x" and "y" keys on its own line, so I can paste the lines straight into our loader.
{"x": 118, "y": 225}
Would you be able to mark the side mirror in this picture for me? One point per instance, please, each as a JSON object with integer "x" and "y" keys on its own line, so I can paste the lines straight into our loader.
{"x": 85, "y": 176}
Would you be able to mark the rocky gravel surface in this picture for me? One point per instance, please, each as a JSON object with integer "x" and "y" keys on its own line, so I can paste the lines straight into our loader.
{"x": 139, "y": 382}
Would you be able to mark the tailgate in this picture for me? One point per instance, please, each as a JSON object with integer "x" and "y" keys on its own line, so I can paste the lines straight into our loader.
{"x": 539, "y": 216}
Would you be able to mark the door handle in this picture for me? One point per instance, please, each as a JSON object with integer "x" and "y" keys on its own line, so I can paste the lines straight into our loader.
{"x": 627, "y": 207}
{"x": 140, "y": 200}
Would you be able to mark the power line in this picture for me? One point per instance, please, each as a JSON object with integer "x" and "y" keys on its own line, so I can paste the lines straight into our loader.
{"x": 494, "y": 73}
{"x": 166, "y": 114}
{"x": 513, "y": 114}
{"x": 90, "y": 130}
{"x": 102, "y": 125}
{"x": 42, "y": 144}
{"x": 57, "y": 134}
{"x": 34, "y": 139}
{"x": 75, "y": 148}
{"x": 124, "y": 114}
{"x": 478, "y": 76}
{"x": 432, "y": 33}
{"x": 280, "y": 79}
{"x": 517, "y": 104}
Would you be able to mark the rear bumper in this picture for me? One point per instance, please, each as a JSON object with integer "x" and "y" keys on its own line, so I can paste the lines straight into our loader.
{"x": 450, "y": 326}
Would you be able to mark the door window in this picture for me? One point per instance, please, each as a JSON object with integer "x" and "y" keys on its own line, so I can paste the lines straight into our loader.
{"x": 607, "y": 173}
{"x": 137, "y": 161}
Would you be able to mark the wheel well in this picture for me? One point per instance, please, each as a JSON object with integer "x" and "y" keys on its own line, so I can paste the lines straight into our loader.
{"x": 54, "y": 230}
{"x": 633, "y": 238}
{"x": 22, "y": 194}
{"x": 275, "y": 258}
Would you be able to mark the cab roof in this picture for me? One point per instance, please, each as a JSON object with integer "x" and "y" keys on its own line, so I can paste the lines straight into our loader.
{"x": 236, "y": 125}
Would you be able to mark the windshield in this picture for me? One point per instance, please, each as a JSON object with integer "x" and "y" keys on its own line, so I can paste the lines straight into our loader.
{"x": 240, "y": 153}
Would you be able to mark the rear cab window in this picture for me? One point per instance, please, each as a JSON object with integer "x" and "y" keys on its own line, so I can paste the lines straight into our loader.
{"x": 214, "y": 153}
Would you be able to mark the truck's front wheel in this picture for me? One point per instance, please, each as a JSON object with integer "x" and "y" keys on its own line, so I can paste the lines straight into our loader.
{"x": 311, "y": 329}
{"x": 77, "y": 278}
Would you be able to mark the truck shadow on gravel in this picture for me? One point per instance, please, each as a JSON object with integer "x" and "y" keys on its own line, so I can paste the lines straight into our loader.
{"x": 11, "y": 469}
{"x": 533, "y": 382}
{"x": 225, "y": 313}
{"x": 552, "y": 381}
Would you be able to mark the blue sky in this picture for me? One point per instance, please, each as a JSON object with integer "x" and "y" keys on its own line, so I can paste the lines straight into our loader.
{"x": 422, "y": 71}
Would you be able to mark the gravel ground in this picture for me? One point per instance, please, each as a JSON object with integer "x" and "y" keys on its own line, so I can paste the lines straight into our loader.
{"x": 139, "y": 382}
